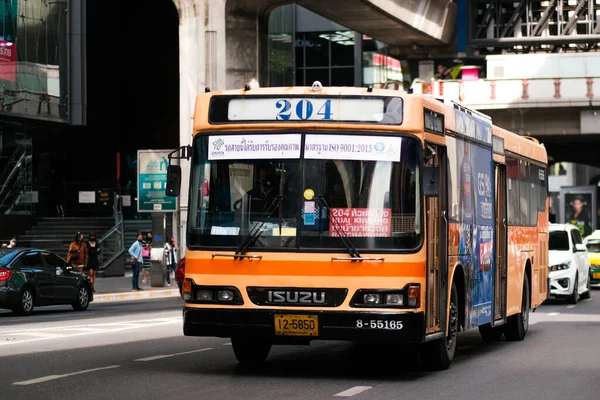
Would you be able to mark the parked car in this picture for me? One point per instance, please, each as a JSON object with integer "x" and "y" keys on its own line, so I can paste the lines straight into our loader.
{"x": 32, "y": 278}
{"x": 592, "y": 243}
{"x": 180, "y": 273}
{"x": 569, "y": 264}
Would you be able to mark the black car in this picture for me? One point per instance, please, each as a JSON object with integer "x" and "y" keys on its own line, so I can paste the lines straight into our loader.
{"x": 32, "y": 277}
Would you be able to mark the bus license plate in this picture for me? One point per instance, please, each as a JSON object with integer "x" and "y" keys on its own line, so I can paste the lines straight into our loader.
{"x": 596, "y": 275}
{"x": 296, "y": 325}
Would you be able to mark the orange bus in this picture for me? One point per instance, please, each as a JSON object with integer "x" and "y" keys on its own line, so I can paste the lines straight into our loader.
{"x": 359, "y": 214}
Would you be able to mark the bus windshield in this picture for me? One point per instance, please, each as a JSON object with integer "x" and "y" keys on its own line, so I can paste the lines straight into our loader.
{"x": 305, "y": 191}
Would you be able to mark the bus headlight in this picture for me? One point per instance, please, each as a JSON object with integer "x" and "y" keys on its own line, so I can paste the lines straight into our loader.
{"x": 409, "y": 296}
{"x": 211, "y": 294}
{"x": 372, "y": 298}
{"x": 394, "y": 298}
{"x": 225, "y": 295}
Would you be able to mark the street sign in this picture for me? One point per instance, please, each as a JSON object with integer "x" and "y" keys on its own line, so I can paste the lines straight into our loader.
{"x": 152, "y": 181}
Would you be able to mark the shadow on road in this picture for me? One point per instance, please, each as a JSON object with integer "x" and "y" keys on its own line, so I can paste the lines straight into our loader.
{"x": 331, "y": 360}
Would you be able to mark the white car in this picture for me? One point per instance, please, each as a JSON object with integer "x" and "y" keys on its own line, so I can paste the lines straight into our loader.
{"x": 569, "y": 264}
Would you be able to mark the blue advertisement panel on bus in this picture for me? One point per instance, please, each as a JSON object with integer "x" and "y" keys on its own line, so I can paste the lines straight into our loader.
{"x": 475, "y": 214}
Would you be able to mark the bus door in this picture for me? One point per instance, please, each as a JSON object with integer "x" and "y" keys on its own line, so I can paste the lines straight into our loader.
{"x": 501, "y": 246}
{"x": 437, "y": 239}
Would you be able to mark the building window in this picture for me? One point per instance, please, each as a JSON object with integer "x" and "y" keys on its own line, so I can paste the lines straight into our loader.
{"x": 327, "y": 57}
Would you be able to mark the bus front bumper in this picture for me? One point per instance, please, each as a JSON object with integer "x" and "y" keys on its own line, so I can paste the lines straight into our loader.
{"x": 331, "y": 325}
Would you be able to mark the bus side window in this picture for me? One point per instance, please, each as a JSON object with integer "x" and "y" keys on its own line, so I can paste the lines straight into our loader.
{"x": 542, "y": 188}
{"x": 534, "y": 188}
{"x": 524, "y": 192}
{"x": 512, "y": 173}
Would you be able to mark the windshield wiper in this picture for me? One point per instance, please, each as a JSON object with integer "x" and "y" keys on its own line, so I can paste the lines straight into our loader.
{"x": 258, "y": 228}
{"x": 340, "y": 231}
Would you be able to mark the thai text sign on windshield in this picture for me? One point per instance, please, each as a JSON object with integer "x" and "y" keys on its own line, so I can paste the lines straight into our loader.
{"x": 319, "y": 147}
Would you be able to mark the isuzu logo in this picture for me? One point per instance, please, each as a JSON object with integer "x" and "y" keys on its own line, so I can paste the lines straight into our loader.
{"x": 295, "y": 297}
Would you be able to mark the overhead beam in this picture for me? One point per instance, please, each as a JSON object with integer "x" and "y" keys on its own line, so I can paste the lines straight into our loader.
{"x": 487, "y": 18}
{"x": 576, "y": 15}
{"x": 513, "y": 19}
{"x": 525, "y": 40}
{"x": 544, "y": 19}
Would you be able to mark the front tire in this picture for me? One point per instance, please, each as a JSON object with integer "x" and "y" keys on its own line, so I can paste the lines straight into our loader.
{"x": 83, "y": 299}
{"x": 249, "y": 351}
{"x": 26, "y": 302}
{"x": 574, "y": 296}
{"x": 517, "y": 325}
{"x": 438, "y": 354}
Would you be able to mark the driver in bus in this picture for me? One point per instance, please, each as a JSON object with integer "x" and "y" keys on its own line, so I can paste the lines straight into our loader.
{"x": 263, "y": 192}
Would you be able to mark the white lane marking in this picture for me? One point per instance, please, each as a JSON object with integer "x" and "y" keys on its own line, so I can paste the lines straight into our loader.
{"x": 227, "y": 344}
{"x": 571, "y": 306}
{"x": 46, "y": 333}
{"x": 158, "y": 357}
{"x": 52, "y": 377}
{"x": 552, "y": 314}
{"x": 353, "y": 391}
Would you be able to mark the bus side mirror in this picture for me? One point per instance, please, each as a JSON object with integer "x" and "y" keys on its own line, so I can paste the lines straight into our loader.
{"x": 173, "y": 181}
{"x": 431, "y": 182}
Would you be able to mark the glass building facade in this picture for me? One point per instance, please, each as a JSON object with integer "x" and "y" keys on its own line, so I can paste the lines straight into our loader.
{"x": 304, "y": 47}
{"x": 35, "y": 93}
{"x": 33, "y": 59}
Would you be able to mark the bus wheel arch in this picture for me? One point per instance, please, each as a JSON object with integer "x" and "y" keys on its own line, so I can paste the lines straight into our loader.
{"x": 528, "y": 274}
{"x": 458, "y": 278}
{"x": 517, "y": 325}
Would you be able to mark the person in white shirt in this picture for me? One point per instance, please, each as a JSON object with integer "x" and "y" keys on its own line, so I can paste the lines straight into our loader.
{"x": 170, "y": 252}
{"x": 12, "y": 244}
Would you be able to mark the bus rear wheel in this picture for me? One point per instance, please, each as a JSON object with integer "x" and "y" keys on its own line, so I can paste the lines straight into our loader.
{"x": 438, "y": 354}
{"x": 250, "y": 351}
{"x": 517, "y": 325}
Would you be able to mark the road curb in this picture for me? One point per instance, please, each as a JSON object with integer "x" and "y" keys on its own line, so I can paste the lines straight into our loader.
{"x": 147, "y": 294}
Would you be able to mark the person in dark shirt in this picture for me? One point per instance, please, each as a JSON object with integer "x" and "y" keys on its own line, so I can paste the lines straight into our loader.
{"x": 443, "y": 73}
{"x": 264, "y": 191}
{"x": 93, "y": 259}
{"x": 579, "y": 215}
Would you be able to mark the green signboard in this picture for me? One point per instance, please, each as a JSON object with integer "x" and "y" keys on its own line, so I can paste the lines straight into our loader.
{"x": 152, "y": 182}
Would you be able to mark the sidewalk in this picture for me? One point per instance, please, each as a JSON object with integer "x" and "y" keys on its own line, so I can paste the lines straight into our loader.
{"x": 119, "y": 289}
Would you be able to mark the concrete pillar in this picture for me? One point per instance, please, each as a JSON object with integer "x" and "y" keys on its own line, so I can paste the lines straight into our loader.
{"x": 201, "y": 64}
{"x": 242, "y": 34}
{"x": 191, "y": 82}
{"x": 218, "y": 48}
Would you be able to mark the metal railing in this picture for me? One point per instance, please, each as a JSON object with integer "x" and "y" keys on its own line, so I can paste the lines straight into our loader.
{"x": 10, "y": 192}
{"x": 113, "y": 241}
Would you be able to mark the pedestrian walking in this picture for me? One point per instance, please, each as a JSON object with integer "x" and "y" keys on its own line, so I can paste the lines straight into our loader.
{"x": 136, "y": 253}
{"x": 93, "y": 259}
{"x": 170, "y": 250}
{"x": 146, "y": 253}
{"x": 77, "y": 255}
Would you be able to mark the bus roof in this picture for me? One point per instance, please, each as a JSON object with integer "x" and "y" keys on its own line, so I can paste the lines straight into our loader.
{"x": 412, "y": 122}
